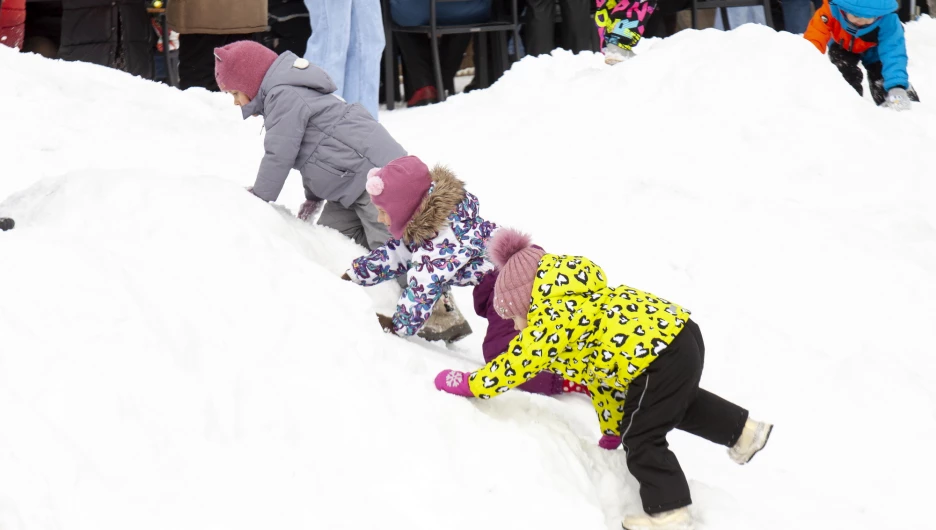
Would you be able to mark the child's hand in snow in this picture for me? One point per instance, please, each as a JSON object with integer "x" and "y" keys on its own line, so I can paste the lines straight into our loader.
{"x": 609, "y": 442}
{"x": 308, "y": 209}
{"x": 898, "y": 99}
{"x": 453, "y": 382}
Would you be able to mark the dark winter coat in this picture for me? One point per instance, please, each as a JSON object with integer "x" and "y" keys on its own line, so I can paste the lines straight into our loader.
{"x": 500, "y": 332}
{"x": 333, "y": 144}
{"x": 114, "y": 33}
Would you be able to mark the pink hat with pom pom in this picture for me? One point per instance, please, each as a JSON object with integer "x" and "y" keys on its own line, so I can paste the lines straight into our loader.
{"x": 399, "y": 189}
{"x": 517, "y": 259}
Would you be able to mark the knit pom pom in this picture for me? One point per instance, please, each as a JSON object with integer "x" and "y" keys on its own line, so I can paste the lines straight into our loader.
{"x": 505, "y": 243}
{"x": 374, "y": 184}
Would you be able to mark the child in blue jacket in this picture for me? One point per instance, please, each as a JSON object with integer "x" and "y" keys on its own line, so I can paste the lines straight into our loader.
{"x": 866, "y": 31}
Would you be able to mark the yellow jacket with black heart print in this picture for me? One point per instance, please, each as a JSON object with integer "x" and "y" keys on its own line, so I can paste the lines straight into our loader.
{"x": 590, "y": 333}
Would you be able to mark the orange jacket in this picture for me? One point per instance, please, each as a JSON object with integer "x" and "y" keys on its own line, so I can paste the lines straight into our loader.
{"x": 824, "y": 27}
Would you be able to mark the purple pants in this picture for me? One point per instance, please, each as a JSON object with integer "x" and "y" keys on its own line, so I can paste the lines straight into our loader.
{"x": 499, "y": 334}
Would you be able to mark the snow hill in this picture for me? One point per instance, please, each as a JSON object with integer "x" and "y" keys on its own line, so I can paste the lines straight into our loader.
{"x": 174, "y": 353}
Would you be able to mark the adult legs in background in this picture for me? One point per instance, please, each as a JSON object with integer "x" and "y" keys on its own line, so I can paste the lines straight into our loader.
{"x": 903, "y": 12}
{"x": 331, "y": 37}
{"x": 290, "y": 27}
{"x": 664, "y": 22}
{"x": 417, "y": 58}
{"x": 43, "y": 28}
{"x": 418, "y": 76}
{"x": 578, "y": 28}
{"x": 540, "y": 27}
{"x": 365, "y": 49}
{"x": 796, "y": 14}
{"x": 196, "y": 58}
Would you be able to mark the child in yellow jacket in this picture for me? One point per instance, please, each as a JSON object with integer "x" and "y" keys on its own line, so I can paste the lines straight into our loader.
{"x": 639, "y": 355}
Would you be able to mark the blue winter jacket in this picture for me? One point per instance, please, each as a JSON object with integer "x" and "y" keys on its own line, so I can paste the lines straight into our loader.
{"x": 886, "y": 32}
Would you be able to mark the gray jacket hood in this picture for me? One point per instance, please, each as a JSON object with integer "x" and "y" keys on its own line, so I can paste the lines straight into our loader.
{"x": 288, "y": 70}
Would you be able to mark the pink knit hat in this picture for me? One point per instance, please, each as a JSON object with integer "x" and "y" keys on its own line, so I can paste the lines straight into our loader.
{"x": 517, "y": 261}
{"x": 241, "y": 66}
{"x": 398, "y": 189}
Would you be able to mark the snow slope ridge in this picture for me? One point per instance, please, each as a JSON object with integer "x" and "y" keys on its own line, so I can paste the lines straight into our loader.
{"x": 176, "y": 354}
{"x": 169, "y": 365}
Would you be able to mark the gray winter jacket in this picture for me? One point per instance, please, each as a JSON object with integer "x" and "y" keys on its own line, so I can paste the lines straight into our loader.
{"x": 331, "y": 143}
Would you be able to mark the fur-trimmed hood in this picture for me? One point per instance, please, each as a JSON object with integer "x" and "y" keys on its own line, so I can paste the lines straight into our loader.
{"x": 438, "y": 208}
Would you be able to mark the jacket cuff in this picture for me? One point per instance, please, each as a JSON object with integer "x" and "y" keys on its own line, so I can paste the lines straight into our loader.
{"x": 353, "y": 276}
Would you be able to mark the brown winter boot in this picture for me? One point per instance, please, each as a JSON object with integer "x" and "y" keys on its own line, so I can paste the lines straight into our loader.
{"x": 446, "y": 322}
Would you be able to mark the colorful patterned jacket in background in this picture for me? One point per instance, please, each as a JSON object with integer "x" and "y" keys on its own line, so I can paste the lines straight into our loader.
{"x": 592, "y": 334}
{"x": 622, "y": 23}
{"x": 442, "y": 246}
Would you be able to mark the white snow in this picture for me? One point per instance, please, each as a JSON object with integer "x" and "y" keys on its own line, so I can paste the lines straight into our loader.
{"x": 174, "y": 353}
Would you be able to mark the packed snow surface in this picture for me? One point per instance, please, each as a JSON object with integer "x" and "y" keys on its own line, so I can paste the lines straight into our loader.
{"x": 175, "y": 353}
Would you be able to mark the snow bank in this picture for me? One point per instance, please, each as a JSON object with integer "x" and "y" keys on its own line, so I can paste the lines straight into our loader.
{"x": 176, "y": 354}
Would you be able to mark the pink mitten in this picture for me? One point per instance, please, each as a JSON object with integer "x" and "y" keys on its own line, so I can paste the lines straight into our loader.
{"x": 609, "y": 442}
{"x": 453, "y": 382}
{"x": 308, "y": 209}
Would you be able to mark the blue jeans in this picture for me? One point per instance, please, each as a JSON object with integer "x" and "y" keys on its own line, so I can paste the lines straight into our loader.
{"x": 347, "y": 42}
{"x": 416, "y": 12}
{"x": 738, "y": 16}
{"x": 796, "y": 14}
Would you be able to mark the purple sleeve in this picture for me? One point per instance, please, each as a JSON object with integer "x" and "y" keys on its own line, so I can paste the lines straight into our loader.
{"x": 483, "y": 293}
{"x": 383, "y": 263}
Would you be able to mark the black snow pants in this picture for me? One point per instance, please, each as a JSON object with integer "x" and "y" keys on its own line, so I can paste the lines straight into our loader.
{"x": 847, "y": 63}
{"x": 666, "y": 397}
{"x": 578, "y": 26}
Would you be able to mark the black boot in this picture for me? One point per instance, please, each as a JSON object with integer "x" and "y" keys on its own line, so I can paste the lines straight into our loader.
{"x": 6, "y": 223}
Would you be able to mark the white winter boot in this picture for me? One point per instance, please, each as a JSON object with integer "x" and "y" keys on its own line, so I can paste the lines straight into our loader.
{"x": 678, "y": 519}
{"x": 753, "y": 438}
{"x": 616, "y": 54}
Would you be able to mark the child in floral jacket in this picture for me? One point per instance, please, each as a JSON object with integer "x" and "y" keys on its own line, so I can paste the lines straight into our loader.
{"x": 640, "y": 356}
{"x": 440, "y": 240}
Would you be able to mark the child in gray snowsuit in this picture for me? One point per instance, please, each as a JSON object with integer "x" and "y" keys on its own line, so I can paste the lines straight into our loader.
{"x": 331, "y": 143}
